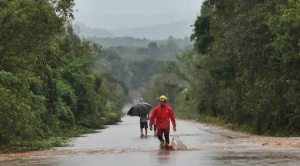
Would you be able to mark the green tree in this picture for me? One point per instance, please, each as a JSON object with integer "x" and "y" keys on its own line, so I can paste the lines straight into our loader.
{"x": 26, "y": 31}
{"x": 109, "y": 61}
{"x": 284, "y": 62}
{"x": 202, "y": 35}
{"x": 162, "y": 84}
{"x": 248, "y": 74}
{"x": 142, "y": 71}
{"x": 153, "y": 49}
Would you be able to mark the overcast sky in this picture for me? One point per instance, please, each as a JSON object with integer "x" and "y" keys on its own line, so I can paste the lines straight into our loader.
{"x": 115, "y": 14}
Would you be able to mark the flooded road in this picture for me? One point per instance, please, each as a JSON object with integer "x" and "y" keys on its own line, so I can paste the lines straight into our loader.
{"x": 121, "y": 145}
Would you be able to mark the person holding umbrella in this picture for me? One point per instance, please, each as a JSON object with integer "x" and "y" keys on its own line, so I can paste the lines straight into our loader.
{"x": 141, "y": 110}
{"x": 163, "y": 113}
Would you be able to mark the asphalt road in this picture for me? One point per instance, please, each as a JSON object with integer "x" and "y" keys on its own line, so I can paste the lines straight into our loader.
{"x": 121, "y": 145}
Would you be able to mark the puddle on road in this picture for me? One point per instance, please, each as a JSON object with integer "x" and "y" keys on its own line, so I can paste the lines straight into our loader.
{"x": 223, "y": 145}
{"x": 120, "y": 144}
{"x": 213, "y": 155}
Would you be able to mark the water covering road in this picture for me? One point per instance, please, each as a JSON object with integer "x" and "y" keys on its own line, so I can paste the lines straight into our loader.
{"x": 121, "y": 145}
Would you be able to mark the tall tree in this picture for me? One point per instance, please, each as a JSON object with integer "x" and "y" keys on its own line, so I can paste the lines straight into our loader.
{"x": 26, "y": 31}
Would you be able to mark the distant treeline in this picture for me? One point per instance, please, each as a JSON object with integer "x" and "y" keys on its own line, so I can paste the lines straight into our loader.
{"x": 134, "y": 49}
{"x": 135, "y": 42}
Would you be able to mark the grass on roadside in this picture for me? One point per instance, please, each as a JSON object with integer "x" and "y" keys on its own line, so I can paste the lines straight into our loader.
{"x": 45, "y": 144}
{"x": 222, "y": 123}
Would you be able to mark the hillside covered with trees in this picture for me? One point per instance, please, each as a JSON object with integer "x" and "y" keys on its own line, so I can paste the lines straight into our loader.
{"x": 244, "y": 70}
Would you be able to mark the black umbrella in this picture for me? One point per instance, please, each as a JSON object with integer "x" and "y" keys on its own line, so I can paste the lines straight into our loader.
{"x": 140, "y": 109}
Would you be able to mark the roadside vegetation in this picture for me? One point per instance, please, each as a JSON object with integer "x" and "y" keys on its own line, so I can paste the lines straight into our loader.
{"x": 49, "y": 89}
{"x": 242, "y": 72}
{"x": 244, "y": 69}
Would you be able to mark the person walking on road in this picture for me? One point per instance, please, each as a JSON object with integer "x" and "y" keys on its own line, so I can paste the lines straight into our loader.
{"x": 144, "y": 125}
{"x": 163, "y": 113}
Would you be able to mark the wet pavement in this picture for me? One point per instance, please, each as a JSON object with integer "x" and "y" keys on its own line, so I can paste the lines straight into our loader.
{"x": 121, "y": 145}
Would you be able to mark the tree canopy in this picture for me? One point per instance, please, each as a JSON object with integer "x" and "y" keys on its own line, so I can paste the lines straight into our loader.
{"x": 47, "y": 83}
{"x": 246, "y": 69}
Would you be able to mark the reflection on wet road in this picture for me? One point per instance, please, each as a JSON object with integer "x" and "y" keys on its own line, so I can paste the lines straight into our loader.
{"x": 121, "y": 145}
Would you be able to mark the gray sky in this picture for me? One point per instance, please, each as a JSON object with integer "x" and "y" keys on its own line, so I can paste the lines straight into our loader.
{"x": 115, "y": 14}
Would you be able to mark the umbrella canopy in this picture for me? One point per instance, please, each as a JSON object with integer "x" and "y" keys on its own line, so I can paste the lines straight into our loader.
{"x": 140, "y": 109}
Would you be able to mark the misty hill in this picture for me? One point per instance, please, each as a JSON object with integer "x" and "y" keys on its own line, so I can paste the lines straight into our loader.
{"x": 85, "y": 31}
{"x": 120, "y": 41}
{"x": 179, "y": 29}
{"x": 136, "y": 42}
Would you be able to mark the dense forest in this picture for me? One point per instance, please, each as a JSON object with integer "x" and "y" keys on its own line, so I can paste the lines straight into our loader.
{"x": 49, "y": 88}
{"x": 254, "y": 60}
{"x": 242, "y": 70}
{"x": 56, "y": 85}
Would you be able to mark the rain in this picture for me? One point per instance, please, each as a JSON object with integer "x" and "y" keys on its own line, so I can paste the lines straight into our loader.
{"x": 217, "y": 77}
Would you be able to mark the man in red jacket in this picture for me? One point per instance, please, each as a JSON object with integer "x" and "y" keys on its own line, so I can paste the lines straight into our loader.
{"x": 163, "y": 113}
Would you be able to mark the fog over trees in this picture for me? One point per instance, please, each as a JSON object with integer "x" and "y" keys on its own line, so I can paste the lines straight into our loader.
{"x": 140, "y": 19}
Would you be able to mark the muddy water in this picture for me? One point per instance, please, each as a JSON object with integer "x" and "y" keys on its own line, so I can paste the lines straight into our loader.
{"x": 121, "y": 145}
